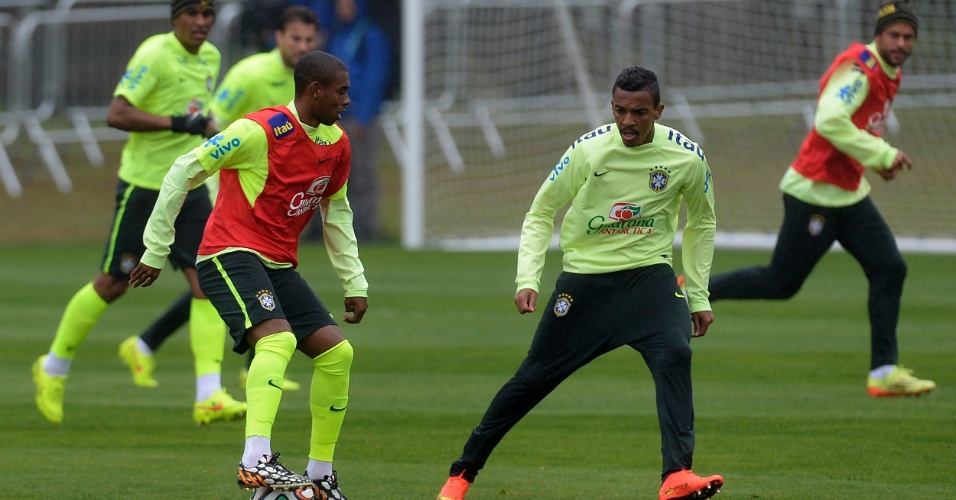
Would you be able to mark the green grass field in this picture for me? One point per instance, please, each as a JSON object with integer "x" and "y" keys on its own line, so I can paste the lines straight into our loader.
{"x": 781, "y": 405}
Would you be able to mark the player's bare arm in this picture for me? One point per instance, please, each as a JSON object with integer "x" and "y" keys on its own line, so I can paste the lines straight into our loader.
{"x": 355, "y": 308}
{"x": 124, "y": 116}
{"x": 702, "y": 321}
{"x": 526, "y": 299}
{"x": 143, "y": 275}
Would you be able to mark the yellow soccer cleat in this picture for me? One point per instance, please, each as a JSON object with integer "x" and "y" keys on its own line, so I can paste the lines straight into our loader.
{"x": 219, "y": 407}
{"x": 140, "y": 364}
{"x": 900, "y": 382}
{"x": 49, "y": 392}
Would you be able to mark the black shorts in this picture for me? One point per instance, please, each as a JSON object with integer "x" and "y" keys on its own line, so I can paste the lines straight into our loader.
{"x": 133, "y": 208}
{"x": 591, "y": 314}
{"x": 246, "y": 293}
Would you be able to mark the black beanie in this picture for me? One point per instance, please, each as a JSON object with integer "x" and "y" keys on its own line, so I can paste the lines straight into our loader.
{"x": 893, "y": 12}
{"x": 180, "y": 6}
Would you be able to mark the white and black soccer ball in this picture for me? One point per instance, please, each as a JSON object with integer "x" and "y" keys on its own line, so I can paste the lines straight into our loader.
{"x": 267, "y": 493}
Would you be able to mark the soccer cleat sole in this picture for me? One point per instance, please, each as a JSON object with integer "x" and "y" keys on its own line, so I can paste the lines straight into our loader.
{"x": 880, "y": 393}
{"x": 706, "y": 492}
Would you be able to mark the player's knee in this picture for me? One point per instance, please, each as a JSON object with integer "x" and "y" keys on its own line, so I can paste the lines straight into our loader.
{"x": 335, "y": 361}
{"x": 678, "y": 354}
{"x": 282, "y": 343}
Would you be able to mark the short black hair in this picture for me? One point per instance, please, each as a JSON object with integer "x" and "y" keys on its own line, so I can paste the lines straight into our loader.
{"x": 299, "y": 13}
{"x": 316, "y": 66}
{"x": 637, "y": 78}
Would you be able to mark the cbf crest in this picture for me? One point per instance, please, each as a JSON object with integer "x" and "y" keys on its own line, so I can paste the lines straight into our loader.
{"x": 659, "y": 177}
{"x": 266, "y": 300}
{"x": 815, "y": 227}
{"x": 562, "y": 305}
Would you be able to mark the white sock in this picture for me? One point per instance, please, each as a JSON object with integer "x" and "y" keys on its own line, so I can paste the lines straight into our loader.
{"x": 256, "y": 448}
{"x": 55, "y": 366}
{"x": 207, "y": 385}
{"x": 143, "y": 348}
{"x": 318, "y": 469}
{"x": 882, "y": 372}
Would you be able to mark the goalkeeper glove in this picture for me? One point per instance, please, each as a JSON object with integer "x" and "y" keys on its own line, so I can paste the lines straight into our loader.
{"x": 194, "y": 124}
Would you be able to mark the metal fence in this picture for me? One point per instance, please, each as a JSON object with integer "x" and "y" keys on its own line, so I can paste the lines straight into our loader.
{"x": 61, "y": 65}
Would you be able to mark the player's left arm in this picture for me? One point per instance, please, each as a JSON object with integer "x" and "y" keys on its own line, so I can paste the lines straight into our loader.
{"x": 342, "y": 247}
{"x": 697, "y": 247}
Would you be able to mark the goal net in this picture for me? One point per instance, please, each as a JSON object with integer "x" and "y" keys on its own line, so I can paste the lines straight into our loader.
{"x": 496, "y": 90}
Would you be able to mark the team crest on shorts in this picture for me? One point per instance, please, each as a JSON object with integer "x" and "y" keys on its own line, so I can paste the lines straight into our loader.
{"x": 563, "y": 305}
{"x": 128, "y": 262}
{"x": 266, "y": 299}
{"x": 815, "y": 227}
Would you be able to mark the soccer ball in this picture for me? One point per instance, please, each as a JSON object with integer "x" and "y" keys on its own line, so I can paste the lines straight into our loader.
{"x": 267, "y": 493}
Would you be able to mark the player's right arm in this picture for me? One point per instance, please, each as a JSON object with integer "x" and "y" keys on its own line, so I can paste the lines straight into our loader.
{"x": 538, "y": 228}
{"x": 248, "y": 146}
{"x": 843, "y": 95}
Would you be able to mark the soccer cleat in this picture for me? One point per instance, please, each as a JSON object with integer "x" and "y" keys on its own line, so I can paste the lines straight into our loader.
{"x": 454, "y": 489}
{"x": 266, "y": 493}
{"x": 219, "y": 406}
{"x": 685, "y": 485}
{"x": 139, "y": 363}
{"x": 268, "y": 472}
{"x": 327, "y": 488}
{"x": 287, "y": 385}
{"x": 900, "y": 382}
{"x": 49, "y": 392}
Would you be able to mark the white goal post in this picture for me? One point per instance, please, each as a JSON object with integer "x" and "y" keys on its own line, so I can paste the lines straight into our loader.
{"x": 493, "y": 91}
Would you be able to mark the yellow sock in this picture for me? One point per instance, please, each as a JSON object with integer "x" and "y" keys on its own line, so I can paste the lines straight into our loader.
{"x": 81, "y": 313}
{"x": 207, "y": 337}
{"x": 328, "y": 398}
{"x": 264, "y": 383}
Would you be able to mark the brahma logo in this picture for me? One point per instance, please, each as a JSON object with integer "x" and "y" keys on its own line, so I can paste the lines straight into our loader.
{"x": 281, "y": 125}
{"x": 625, "y": 211}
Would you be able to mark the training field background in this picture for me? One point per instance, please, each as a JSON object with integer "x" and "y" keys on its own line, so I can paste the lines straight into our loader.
{"x": 781, "y": 405}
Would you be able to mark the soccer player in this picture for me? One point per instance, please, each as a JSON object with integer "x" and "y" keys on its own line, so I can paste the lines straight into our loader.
{"x": 277, "y": 167}
{"x": 826, "y": 198}
{"x": 162, "y": 101}
{"x": 256, "y": 82}
{"x": 625, "y": 182}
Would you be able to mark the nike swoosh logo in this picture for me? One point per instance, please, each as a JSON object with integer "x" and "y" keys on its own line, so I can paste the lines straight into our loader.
{"x": 215, "y": 407}
{"x": 273, "y": 384}
{"x": 596, "y": 174}
{"x": 333, "y": 408}
{"x": 679, "y": 296}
